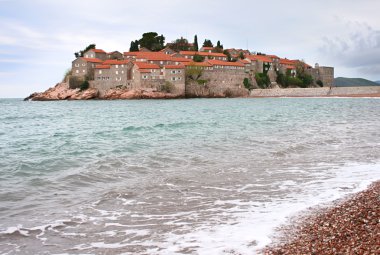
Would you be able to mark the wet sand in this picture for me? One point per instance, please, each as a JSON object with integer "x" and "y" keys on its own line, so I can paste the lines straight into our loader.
{"x": 350, "y": 226}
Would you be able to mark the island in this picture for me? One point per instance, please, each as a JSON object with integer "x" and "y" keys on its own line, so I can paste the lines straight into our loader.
{"x": 153, "y": 69}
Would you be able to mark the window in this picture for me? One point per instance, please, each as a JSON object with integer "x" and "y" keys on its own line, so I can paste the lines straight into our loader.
{"x": 117, "y": 72}
{"x": 145, "y": 77}
{"x": 100, "y": 71}
{"x": 173, "y": 78}
{"x": 76, "y": 65}
{"x": 173, "y": 72}
{"x": 84, "y": 64}
{"x": 122, "y": 65}
{"x": 122, "y": 71}
{"x": 92, "y": 55}
{"x": 117, "y": 66}
{"x": 83, "y": 71}
{"x": 161, "y": 62}
{"x": 179, "y": 71}
{"x": 77, "y": 71}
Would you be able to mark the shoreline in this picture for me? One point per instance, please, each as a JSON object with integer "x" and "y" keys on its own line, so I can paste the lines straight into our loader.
{"x": 350, "y": 225}
{"x": 61, "y": 91}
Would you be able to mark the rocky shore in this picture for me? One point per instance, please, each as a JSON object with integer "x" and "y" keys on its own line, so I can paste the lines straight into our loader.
{"x": 61, "y": 91}
{"x": 351, "y": 226}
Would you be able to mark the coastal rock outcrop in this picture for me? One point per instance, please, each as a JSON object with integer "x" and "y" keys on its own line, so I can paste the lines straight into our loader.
{"x": 137, "y": 94}
{"x": 61, "y": 91}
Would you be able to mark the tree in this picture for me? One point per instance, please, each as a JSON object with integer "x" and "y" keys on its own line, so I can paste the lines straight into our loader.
{"x": 208, "y": 43}
{"x": 198, "y": 58}
{"x": 247, "y": 84}
{"x": 152, "y": 41}
{"x": 179, "y": 44}
{"x": 81, "y": 52}
{"x": 134, "y": 46}
{"x": 241, "y": 55}
{"x": 218, "y": 45}
{"x": 196, "y": 43}
{"x": 228, "y": 54}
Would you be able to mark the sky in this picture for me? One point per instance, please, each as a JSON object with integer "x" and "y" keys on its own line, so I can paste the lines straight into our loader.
{"x": 38, "y": 38}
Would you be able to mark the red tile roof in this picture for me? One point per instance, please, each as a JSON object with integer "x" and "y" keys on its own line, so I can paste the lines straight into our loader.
{"x": 96, "y": 50}
{"x": 92, "y": 60}
{"x": 207, "y": 48}
{"x": 205, "y": 64}
{"x": 201, "y": 53}
{"x": 143, "y": 65}
{"x": 115, "y": 62}
{"x": 102, "y": 66}
{"x": 286, "y": 61}
{"x": 272, "y": 56}
{"x": 174, "y": 66}
{"x": 261, "y": 58}
{"x": 181, "y": 59}
{"x": 224, "y": 63}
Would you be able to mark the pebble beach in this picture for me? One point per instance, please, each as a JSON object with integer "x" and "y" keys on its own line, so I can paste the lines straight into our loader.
{"x": 350, "y": 226}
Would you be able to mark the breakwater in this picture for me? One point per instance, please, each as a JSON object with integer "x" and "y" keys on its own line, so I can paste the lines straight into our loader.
{"x": 317, "y": 92}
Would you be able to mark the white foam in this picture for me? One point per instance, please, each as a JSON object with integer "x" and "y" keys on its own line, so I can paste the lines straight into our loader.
{"x": 253, "y": 230}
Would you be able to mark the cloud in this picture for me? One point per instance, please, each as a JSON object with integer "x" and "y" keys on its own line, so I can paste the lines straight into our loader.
{"x": 356, "y": 46}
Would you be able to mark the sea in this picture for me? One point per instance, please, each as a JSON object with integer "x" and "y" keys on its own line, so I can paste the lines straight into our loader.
{"x": 188, "y": 176}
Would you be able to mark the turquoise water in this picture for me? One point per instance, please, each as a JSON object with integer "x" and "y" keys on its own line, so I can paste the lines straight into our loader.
{"x": 202, "y": 176}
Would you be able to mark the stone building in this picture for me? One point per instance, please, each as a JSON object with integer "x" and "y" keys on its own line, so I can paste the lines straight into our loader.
{"x": 115, "y": 55}
{"x": 262, "y": 64}
{"x": 83, "y": 67}
{"x": 95, "y": 53}
{"x": 206, "y": 55}
{"x": 324, "y": 74}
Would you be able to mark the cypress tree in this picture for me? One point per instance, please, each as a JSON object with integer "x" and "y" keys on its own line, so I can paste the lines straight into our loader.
{"x": 196, "y": 43}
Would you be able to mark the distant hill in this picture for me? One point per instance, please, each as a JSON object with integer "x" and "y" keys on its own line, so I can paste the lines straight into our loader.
{"x": 353, "y": 82}
{"x": 377, "y": 82}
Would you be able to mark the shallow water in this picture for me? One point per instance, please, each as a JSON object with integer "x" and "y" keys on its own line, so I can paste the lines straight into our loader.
{"x": 199, "y": 176}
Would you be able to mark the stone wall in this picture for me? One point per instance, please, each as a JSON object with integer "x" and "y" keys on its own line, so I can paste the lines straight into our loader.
{"x": 217, "y": 83}
{"x": 315, "y": 92}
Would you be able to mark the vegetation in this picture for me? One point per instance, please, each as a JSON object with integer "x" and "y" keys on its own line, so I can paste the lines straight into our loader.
{"x": 134, "y": 46}
{"x": 219, "y": 47}
{"x": 152, "y": 41}
{"x": 75, "y": 82}
{"x": 198, "y": 58}
{"x": 193, "y": 72}
{"x": 208, "y": 43}
{"x": 202, "y": 82}
{"x": 319, "y": 83}
{"x": 67, "y": 74}
{"x": 241, "y": 55}
{"x": 227, "y": 53}
{"x": 247, "y": 84}
{"x": 180, "y": 44}
{"x": 349, "y": 82}
{"x": 81, "y": 52}
{"x": 195, "y": 43}
{"x": 168, "y": 87}
{"x": 262, "y": 80}
{"x": 85, "y": 85}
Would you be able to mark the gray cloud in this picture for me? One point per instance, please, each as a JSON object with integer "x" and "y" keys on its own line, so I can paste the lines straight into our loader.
{"x": 356, "y": 46}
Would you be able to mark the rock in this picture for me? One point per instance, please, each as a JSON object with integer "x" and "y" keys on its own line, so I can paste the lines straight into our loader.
{"x": 61, "y": 91}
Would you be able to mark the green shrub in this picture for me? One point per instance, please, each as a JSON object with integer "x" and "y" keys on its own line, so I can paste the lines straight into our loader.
{"x": 168, "y": 87}
{"x": 262, "y": 80}
{"x": 198, "y": 58}
{"x": 202, "y": 82}
{"x": 294, "y": 81}
{"x": 85, "y": 85}
{"x": 320, "y": 83}
{"x": 247, "y": 84}
{"x": 75, "y": 82}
